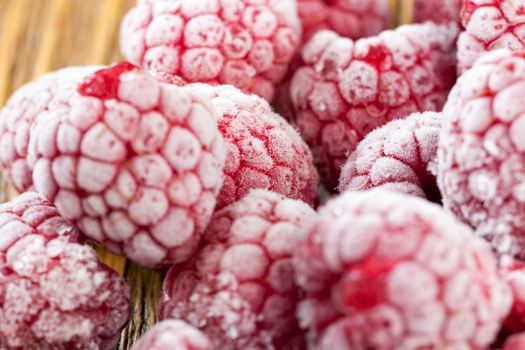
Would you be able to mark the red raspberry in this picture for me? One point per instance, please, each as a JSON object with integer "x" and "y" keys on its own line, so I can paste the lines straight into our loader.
{"x": 516, "y": 342}
{"x": 239, "y": 290}
{"x": 264, "y": 151}
{"x": 400, "y": 156}
{"x": 481, "y": 169}
{"x": 353, "y": 19}
{"x": 438, "y": 11}
{"x": 51, "y": 90}
{"x": 347, "y": 89}
{"x": 248, "y": 44}
{"x": 388, "y": 271}
{"x": 490, "y": 25}
{"x": 54, "y": 293}
{"x": 130, "y": 158}
{"x": 173, "y": 335}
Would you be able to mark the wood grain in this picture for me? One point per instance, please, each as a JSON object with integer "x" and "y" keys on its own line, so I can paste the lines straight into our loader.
{"x": 38, "y": 36}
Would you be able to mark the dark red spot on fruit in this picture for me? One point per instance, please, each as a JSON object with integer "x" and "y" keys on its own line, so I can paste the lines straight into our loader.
{"x": 104, "y": 83}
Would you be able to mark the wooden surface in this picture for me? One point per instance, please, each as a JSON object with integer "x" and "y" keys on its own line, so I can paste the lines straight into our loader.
{"x": 38, "y": 36}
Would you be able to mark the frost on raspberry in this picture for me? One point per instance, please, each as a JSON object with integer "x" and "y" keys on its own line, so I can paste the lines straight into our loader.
{"x": 248, "y": 44}
{"x": 264, "y": 151}
{"x": 136, "y": 164}
{"x": 354, "y": 19}
{"x": 16, "y": 118}
{"x": 54, "y": 294}
{"x": 438, "y": 11}
{"x": 388, "y": 271}
{"x": 481, "y": 157}
{"x": 490, "y": 25}
{"x": 400, "y": 156}
{"x": 240, "y": 288}
{"x": 346, "y": 89}
{"x": 173, "y": 335}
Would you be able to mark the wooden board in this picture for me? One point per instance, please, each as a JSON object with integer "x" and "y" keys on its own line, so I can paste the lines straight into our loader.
{"x": 38, "y": 36}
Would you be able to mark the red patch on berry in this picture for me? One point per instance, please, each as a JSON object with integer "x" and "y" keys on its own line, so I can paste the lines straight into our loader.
{"x": 104, "y": 83}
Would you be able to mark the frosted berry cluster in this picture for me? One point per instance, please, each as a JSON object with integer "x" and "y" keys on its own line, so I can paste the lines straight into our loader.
{"x": 50, "y": 91}
{"x": 173, "y": 335}
{"x": 400, "y": 156}
{"x": 264, "y": 151}
{"x": 134, "y": 163}
{"x": 353, "y": 19}
{"x": 437, "y": 11}
{"x": 490, "y": 25}
{"x": 481, "y": 169}
{"x": 346, "y": 89}
{"x": 54, "y": 294}
{"x": 248, "y": 44}
{"x": 389, "y": 271}
{"x": 240, "y": 289}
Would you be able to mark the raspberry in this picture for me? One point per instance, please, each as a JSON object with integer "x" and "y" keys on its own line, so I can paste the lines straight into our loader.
{"x": 248, "y": 44}
{"x": 239, "y": 290}
{"x": 481, "y": 157}
{"x": 438, "y": 11}
{"x": 173, "y": 335}
{"x": 264, "y": 151}
{"x": 400, "y": 156}
{"x": 54, "y": 294}
{"x": 51, "y": 90}
{"x": 516, "y": 342}
{"x": 347, "y": 89}
{"x": 388, "y": 271}
{"x": 353, "y": 19}
{"x": 127, "y": 159}
{"x": 490, "y": 25}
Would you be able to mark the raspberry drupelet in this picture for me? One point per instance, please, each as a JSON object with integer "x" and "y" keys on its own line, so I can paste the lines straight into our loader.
{"x": 514, "y": 275}
{"x": 515, "y": 342}
{"x": 437, "y": 11}
{"x": 54, "y": 293}
{"x": 173, "y": 335}
{"x": 387, "y": 271}
{"x": 490, "y": 25}
{"x": 16, "y": 118}
{"x": 264, "y": 151}
{"x": 240, "y": 288}
{"x": 248, "y": 44}
{"x": 136, "y": 164}
{"x": 400, "y": 156}
{"x": 354, "y": 19}
{"x": 346, "y": 89}
{"x": 481, "y": 156}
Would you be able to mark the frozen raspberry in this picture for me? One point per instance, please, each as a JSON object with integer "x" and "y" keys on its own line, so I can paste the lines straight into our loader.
{"x": 240, "y": 289}
{"x": 388, "y": 271}
{"x": 16, "y": 118}
{"x": 353, "y": 19}
{"x": 136, "y": 164}
{"x": 481, "y": 169}
{"x": 400, "y": 156}
{"x": 516, "y": 342}
{"x": 264, "y": 151}
{"x": 173, "y": 335}
{"x": 248, "y": 44}
{"x": 438, "y": 11}
{"x": 346, "y": 89}
{"x": 490, "y": 25}
{"x": 54, "y": 294}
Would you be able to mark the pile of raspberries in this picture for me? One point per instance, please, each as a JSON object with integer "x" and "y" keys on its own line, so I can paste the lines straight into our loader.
{"x": 305, "y": 177}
